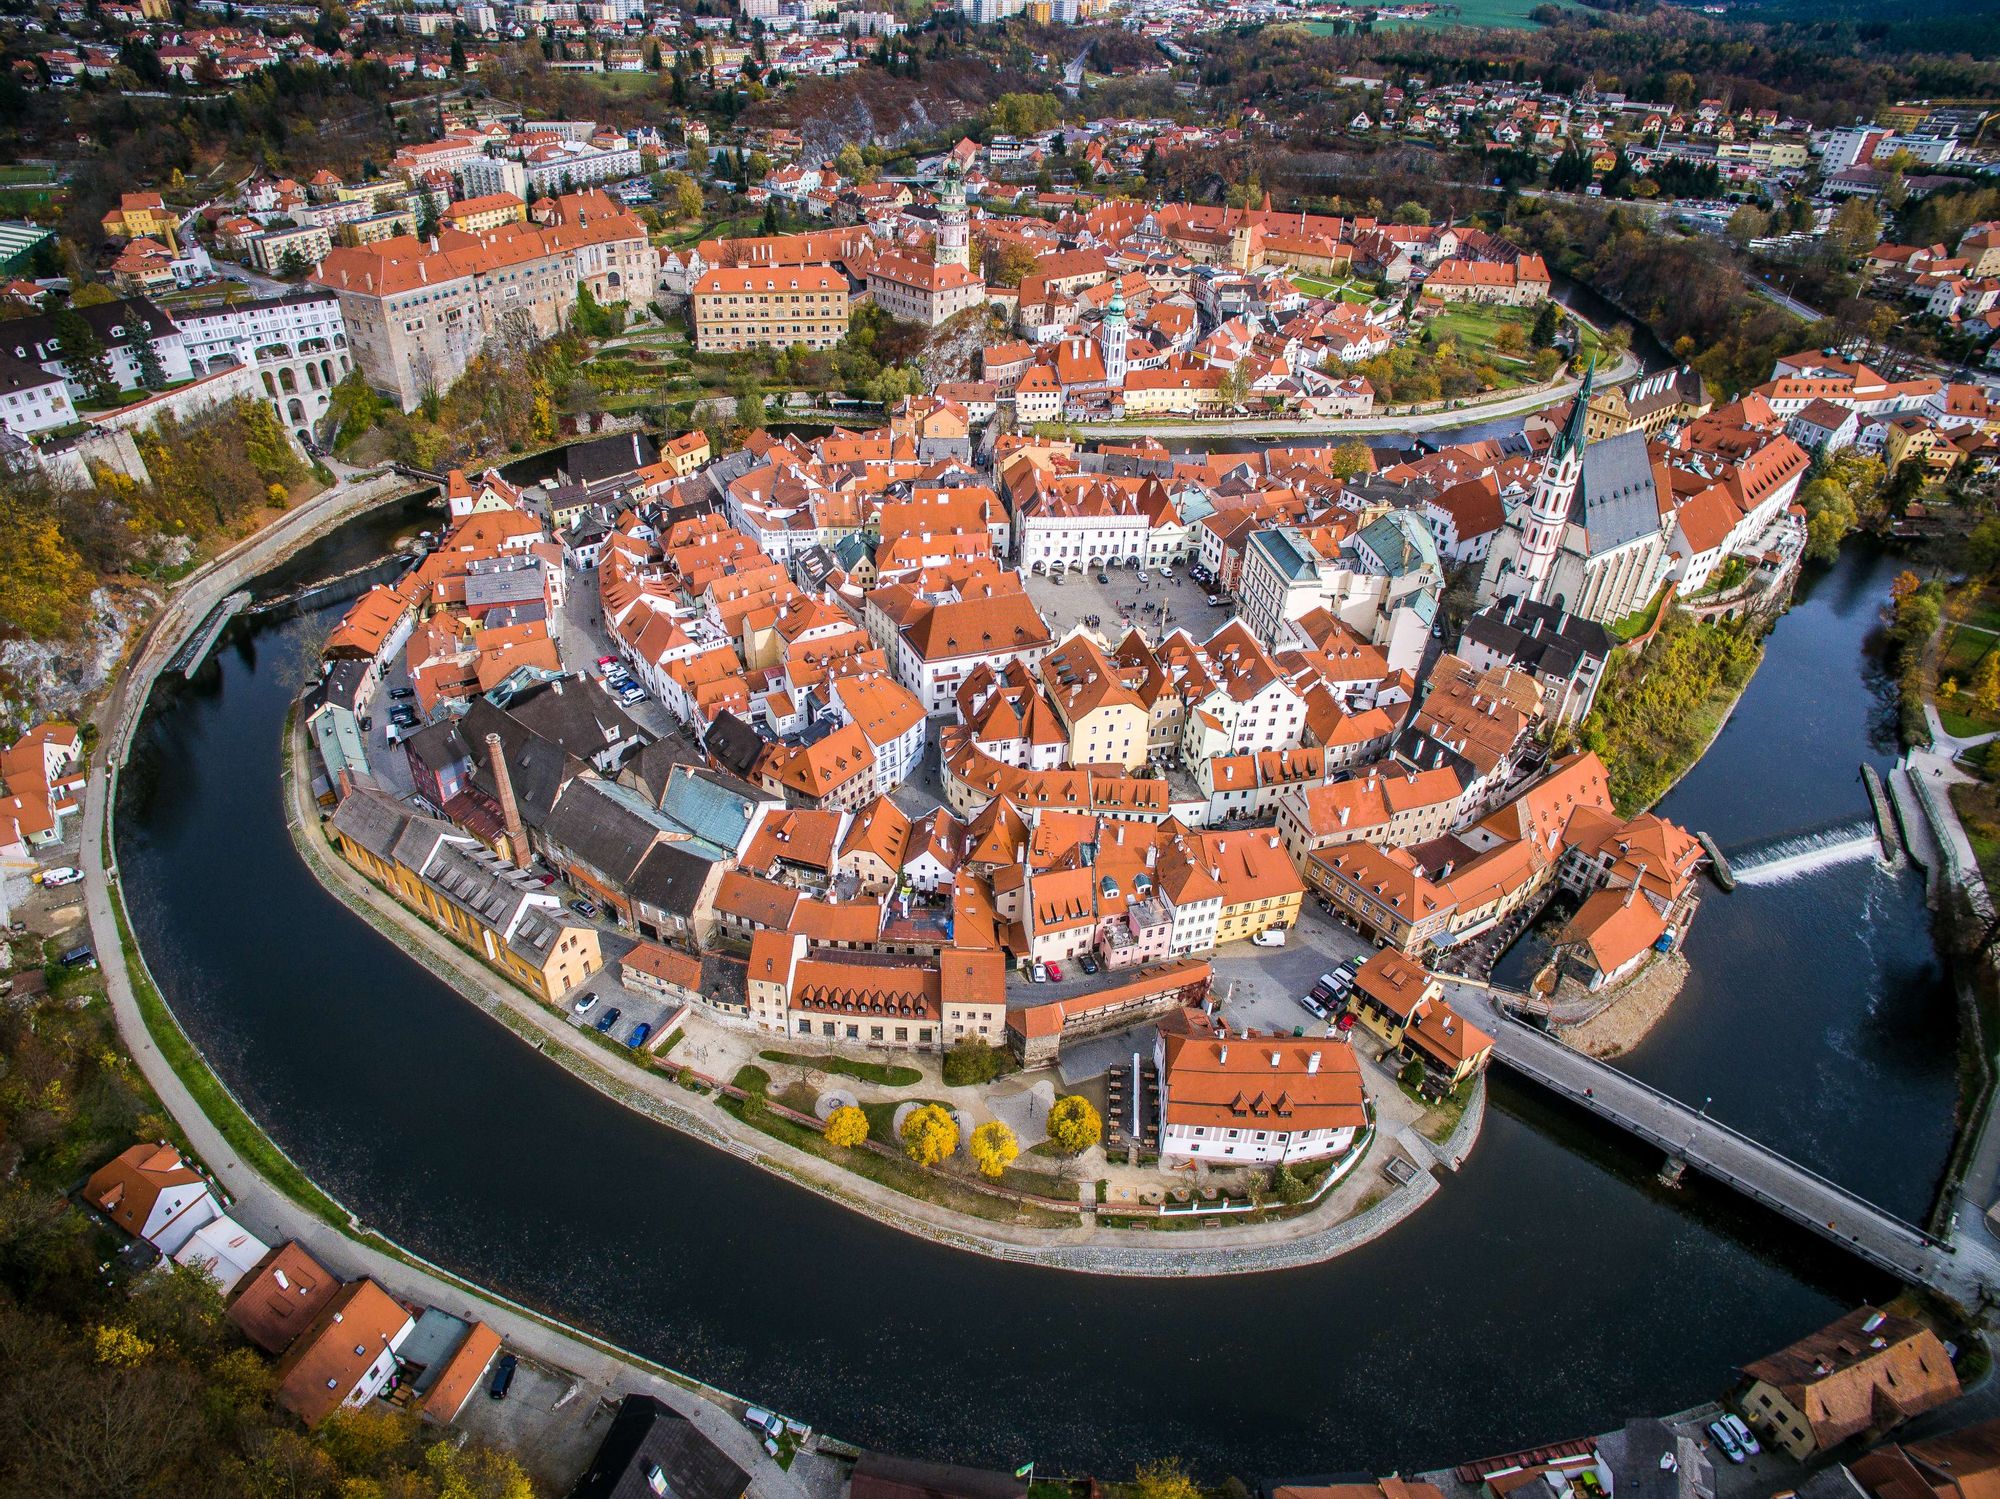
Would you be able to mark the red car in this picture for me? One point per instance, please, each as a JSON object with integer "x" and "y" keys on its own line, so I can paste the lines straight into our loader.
{"x": 1055, "y": 972}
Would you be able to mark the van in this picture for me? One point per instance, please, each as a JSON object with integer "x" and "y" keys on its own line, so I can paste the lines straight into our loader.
{"x": 79, "y": 957}
{"x": 1271, "y": 936}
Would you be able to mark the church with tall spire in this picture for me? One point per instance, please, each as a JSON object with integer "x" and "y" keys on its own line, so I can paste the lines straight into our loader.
{"x": 1555, "y": 494}
{"x": 1592, "y": 537}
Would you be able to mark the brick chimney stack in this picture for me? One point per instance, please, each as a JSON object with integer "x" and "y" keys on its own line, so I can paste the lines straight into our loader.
{"x": 510, "y": 810}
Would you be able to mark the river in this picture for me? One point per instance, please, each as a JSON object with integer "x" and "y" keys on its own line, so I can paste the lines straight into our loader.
{"x": 1552, "y": 1288}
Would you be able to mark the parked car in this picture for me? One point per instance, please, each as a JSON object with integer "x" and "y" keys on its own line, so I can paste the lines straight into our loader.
{"x": 1726, "y": 1440}
{"x": 1313, "y": 1007}
{"x": 401, "y": 692}
{"x": 503, "y": 1376}
{"x": 1143, "y": 575}
{"x": 585, "y": 1005}
{"x": 1040, "y": 973}
{"x": 608, "y": 1019}
{"x": 79, "y": 957}
{"x": 1323, "y": 992}
{"x": 639, "y": 1034}
{"x": 1055, "y": 972}
{"x": 1087, "y": 963}
{"x": 585, "y": 909}
{"x": 1104, "y": 577}
{"x": 1167, "y": 573}
{"x": 604, "y": 661}
{"x": 1217, "y": 601}
{"x": 1271, "y": 936}
{"x": 61, "y": 875}
{"x": 1745, "y": 1437}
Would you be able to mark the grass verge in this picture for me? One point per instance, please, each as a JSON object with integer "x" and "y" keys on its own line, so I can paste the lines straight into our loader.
{"x": 886, "y": 1074}
{"x": 249, "y": 1142}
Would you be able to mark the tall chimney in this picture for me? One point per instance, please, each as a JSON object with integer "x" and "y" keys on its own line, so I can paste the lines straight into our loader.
{"x": 510, "y": 810}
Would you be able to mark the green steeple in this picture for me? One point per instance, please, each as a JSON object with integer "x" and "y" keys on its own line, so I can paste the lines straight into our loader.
{"x": 1571, "y": 440}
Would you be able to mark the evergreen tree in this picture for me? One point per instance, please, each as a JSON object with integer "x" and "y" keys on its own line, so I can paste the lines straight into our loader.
{"x": 83, "y": 356}
{"x": 151, "y": 374}
{"x": 1547, "y": 321}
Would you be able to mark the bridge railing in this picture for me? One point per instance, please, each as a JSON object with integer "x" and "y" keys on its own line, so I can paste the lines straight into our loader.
{"x": 1846, "y": 1194}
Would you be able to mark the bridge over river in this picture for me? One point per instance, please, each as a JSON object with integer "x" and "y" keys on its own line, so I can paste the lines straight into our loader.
{"x": 1689, "y": 1138}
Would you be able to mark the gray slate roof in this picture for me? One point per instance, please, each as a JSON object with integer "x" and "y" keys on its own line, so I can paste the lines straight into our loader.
{"x": 1618, "y": 501}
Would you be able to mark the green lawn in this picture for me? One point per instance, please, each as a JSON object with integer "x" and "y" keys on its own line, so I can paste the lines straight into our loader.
{"x": 1632, "y": 626}
{"x": 1347, "y": 291}
{"x": 889, "y": 1076}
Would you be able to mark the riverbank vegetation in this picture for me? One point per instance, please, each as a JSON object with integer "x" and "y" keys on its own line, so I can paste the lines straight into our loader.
{"x": 119, "y": 1380}
{"x": 1916, "y": 608}
{"x": 1657, "y": 712}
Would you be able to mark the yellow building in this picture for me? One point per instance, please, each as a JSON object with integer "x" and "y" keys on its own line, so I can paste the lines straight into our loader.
{"x": 1912, "y": 436}
{"x": 383, "y": 226}
{"x": 1106, "y": 722}
{"x": 487, "y": 212}
{"x": 142, "y": 216}
{"x": 469, "y": 892}
{"x": 770, "y": 306}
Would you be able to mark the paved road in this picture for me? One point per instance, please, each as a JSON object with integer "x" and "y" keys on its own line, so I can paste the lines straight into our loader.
{"x": 257, "y": 1204}
{"x": 1324, "y": 426}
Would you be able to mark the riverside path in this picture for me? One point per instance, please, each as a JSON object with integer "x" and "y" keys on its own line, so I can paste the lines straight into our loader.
{"x": 1689, "y": 1137}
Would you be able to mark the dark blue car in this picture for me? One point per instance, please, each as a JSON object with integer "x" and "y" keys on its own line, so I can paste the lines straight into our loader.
{"x": 608, "y": 1019}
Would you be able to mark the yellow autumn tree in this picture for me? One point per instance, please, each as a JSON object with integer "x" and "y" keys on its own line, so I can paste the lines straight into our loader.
{"x": 44, "y": 584}
{"x": 119, "y": 1346}
{"x": 1165, "y": 1479}
{"x": 930, "y": 1134}
{"x": 846, "y": 1127}
{"x": 1074, "y": 1124}
{"x": 994, "y": 1148}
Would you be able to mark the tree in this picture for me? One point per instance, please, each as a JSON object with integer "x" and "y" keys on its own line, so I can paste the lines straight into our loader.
{"x": 83, "y": 356}
{"x": 151, "y": 374}
{"x": 1165, "y": 1479}
{"x": 930, "y": 1134}
{"x": 849, "y": 162}
{"x": 1074, "y": 1124}
{"x": 846, "y": 1127}
{"x": 1855, "y": 230}
{"x": 1351, "y": 460}
{"x": 457, "y": 55}
{"x": 994, "y": 1148}
{"x": 1986, "y": 681}
{"x": 1411, "y": 213}
{"x": 971, "y": 1062}
{"x": 1747, "y": 223}
{"x": 1548, "y": 322}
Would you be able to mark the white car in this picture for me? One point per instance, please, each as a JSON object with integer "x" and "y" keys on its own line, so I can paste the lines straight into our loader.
{"x": 1745, "y": 1437}
{"x": 1271, "y": 936}
{"x": 1167, "y": 573}
{"x": 585, "y": 1005}
{"x": 61, "y": 875}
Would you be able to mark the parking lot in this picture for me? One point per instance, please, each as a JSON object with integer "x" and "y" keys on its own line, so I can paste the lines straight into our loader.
{"x": 1260, "y": 987}
{"x": 1155, "y": 605}
{"x": 603, "y": 995}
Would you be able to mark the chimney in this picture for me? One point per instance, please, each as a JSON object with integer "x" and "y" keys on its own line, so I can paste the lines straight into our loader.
{"x": 1312, "y": 1063}
{"x": 1222, "y": 1054}
{"x": 510, "y": 810}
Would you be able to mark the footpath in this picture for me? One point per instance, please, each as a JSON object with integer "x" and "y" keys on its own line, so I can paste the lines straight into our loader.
{"x": 604, "y": 1372}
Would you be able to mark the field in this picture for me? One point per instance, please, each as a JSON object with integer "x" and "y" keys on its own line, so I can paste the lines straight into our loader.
{"x": 1510, "y": 15}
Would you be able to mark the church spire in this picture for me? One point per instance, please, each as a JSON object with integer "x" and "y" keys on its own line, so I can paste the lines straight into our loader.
{"x": 1571, "y": 440}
